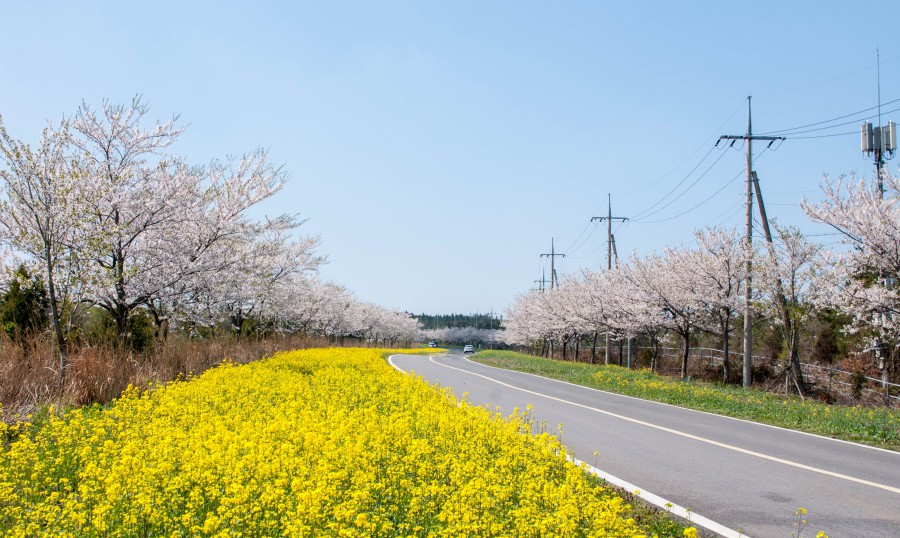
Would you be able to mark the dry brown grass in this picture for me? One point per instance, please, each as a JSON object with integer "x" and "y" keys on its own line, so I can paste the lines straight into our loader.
{"x": 29, "y": 370}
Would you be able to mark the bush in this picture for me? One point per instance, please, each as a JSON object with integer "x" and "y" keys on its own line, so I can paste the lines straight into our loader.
{"x": 24, "y": 306}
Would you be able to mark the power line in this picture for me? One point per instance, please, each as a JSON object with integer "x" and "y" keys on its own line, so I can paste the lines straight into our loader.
{"x": 824, "y": 136}
{"x": 691, "y": 154}
{"x": 584, "y": 241}
{"x": 713, "y": 195}
{"x": 873, "y": 116}
{"x": 784, "y": 131}
{"x": 728, "y": 214}
{"x": 826, "y": 81}
{"x": 647, "y": 213}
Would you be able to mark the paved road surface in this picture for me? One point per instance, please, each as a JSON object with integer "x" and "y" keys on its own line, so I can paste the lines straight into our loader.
{"x": 743, "y": 475}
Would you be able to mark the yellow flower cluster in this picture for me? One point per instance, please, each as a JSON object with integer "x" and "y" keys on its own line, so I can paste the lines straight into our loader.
{"x": 329, "y": 442}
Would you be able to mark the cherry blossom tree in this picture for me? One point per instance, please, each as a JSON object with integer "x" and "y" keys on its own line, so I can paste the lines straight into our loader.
{"x": 790, "y": 274}
{"x": 666, "y": 284}
{"x": 861, "y": 281}
{"x": 41, "y": 208}
{"x": 526, "y": 320}
{"x": 716, "y": 265}
{"x": 157, "y": 219}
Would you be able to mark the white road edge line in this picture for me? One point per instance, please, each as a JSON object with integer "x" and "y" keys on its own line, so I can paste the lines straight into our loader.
{"x": 685, "y": 434}
{"x": 651, "y": 498}
{"x": 797, "y": 432}
{"x": 401, "y": 370}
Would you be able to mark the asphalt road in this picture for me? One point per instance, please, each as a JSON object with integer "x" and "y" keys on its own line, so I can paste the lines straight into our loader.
{"x": 748, "y": 477}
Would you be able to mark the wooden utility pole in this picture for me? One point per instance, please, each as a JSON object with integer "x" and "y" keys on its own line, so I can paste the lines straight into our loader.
{"x": 609, "y": 251}
{"x": 748, "y": 138}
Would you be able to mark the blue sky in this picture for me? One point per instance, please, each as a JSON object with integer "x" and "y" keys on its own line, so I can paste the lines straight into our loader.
{"x": 437, "y": 147}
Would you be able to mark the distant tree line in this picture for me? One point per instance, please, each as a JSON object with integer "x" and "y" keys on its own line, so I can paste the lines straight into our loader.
{"x": 459, "y": 321}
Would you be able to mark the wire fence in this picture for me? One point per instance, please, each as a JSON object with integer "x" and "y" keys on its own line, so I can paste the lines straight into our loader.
{"x": 833, "y": 379}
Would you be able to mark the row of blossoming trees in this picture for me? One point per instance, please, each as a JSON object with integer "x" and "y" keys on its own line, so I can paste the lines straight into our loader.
{"x": 700, "y": 289}
{"x": 106, "y": 218}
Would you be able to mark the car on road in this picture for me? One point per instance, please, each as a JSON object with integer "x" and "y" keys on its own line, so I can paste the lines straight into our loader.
{"x": 432, "y": 344}
{"x": 469, "y": 348}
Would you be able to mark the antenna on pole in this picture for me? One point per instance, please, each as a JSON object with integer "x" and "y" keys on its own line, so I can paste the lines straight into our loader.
{"x": 881, "y": 140}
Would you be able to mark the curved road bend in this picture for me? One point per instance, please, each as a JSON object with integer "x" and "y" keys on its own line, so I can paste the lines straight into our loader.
{"x": 745, "y": 476}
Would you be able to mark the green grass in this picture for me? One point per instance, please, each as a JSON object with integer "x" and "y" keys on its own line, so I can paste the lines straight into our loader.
{"x": 875, "y": 427}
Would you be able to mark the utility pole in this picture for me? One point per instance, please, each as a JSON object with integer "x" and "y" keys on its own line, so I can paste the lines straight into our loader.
{"x": 554, "y": 282}
{"x": 609, "y": 237}
{"x": 748, "y": 139}
{"x": 609, "y": 251}
{"x": 543, "y": 280}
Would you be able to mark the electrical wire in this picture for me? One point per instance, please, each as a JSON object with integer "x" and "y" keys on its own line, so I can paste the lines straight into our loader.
{"x": 588, "y": 255}
{"x": 731, "y": 212}
{"x": 569, "y": 248}
{"x": 680, "y": 183}
{"x": 823, "y": 136}
{"x": 694, "y": 169}
{"x": 695, "y": 207}
{"x": 828, "y": 121}
{"x": 713, "y": 195}
{"x": 827, "y": 81}
{"x": 699, "y": 147}
{"x": 645, "y": 214}
{"x": 587, "y": 238}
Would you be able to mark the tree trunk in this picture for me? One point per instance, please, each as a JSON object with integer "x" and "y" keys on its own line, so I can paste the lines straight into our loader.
{"x": 885, "y": 382}
{"x": 577, "y": 348}
{"x": 796, "y": 372}
{"x": 594, "y": 350}
{"x": 726, "y": 364}
{"x": 687, "y": 349}
{"x": 160, "y": 326}
{"x": 120, "y": 313}
{"x": 54, "y": 315}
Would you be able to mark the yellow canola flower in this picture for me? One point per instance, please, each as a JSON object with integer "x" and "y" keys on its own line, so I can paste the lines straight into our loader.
{"x": 318, "y": 442}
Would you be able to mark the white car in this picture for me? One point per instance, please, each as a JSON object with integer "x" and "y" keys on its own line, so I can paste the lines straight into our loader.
{"x": 469, "y": 348}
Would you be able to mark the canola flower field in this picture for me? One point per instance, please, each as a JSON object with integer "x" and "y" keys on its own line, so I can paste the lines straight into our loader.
{"x": 326, "y": 442}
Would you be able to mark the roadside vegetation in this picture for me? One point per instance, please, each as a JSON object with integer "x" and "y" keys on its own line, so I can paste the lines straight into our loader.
{"x": 872, "y": 426}
{"x": 121, "y": 263}
{"x": 322, "y": 442}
